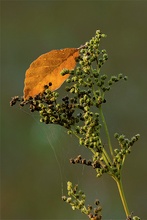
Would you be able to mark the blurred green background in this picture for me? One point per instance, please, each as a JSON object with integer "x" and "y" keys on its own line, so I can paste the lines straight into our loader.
{"x": 31, "y": 177}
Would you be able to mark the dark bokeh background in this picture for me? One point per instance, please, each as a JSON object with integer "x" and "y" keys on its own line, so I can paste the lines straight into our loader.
{"x": 31, "y": 177}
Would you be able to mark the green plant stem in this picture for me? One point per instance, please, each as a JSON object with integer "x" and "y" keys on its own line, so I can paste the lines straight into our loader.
{"x": 118, "y": 181}
{"x": 122, "y": 196}
{"x": 106, "y": 158}
{"x": 106, "y": 130}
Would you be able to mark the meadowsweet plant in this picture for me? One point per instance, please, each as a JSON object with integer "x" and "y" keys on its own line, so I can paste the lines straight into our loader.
{"x": 81, "y": 113}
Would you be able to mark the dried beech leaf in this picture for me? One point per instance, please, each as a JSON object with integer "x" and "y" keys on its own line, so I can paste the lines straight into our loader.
{"x": 47, "y": 68}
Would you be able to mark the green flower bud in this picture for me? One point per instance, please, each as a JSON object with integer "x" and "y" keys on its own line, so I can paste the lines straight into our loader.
{"x": 68, "y": 80}
{"x": 69, "y": 132}
{"x": 69, "y": 200}
{"x": 136, "y": 218}
{"x": 64, "y": 72}
{"x": 81, "y": 141}
{"x": 116, "y": 135}
{"x": 64, "y": 198}
{"x": 103, "y": 77}
{"x": 69, "y": 185}
{"x": 72, "y": 90}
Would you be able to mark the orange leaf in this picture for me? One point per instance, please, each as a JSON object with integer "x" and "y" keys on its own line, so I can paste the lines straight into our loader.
{"x": 47, "y": 68}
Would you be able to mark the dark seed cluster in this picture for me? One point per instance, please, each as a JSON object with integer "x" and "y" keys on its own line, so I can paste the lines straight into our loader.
{"x": 97, "y": 163}
{"x": 14, "y": 100}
